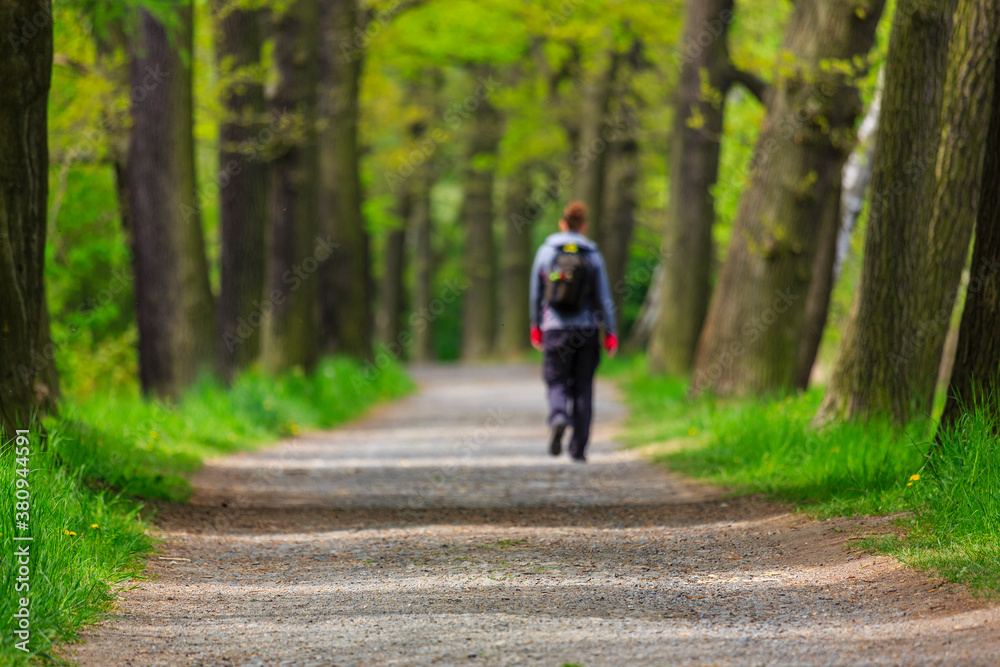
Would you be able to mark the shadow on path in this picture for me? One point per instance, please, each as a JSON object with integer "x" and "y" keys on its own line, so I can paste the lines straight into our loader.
{"x": 437, "y": 531}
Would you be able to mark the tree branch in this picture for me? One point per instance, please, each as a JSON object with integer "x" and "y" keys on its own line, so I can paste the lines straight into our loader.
{"x": 757, "y": 86}
{"x": 62, "y": 60}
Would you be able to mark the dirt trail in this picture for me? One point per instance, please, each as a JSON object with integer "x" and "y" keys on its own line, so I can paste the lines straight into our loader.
{"x": 437, "y": 531}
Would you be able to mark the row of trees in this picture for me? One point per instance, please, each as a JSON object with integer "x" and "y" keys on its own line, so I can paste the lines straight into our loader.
{"x": 934, "y": 182}
{"x": 344, "y": 128}
{"x": 547, "y": 108}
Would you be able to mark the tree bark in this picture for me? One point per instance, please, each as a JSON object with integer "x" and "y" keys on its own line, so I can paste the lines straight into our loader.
{"x": 925, "y": 187}
{"x": 756, "y": 317}
{"x": 422, "y": 226}
{"x": 857, "y": 176}
{"x": 516, "y": 261}
{"x": 112, "y": 50}
{"x": 620, "y": 203}
{"x": 242, "y": 186}
{"x": 174, "y": 308}
{"x": 392, "y": 297}
{"x": 642, "y": 331}
{"x": 346, "y": 278}
{"x": 590, "y": 155}
{"x": 477, "y": 214}
{"x": 25, "y": 75}
{"x": 290, "y": 337}
{"x": 833, "y": 243}
{"x": 975, "y": 375}
{"x": 685, "y": 280}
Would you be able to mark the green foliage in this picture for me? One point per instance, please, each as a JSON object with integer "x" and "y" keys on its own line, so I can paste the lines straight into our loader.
{"x": 770, "y": 447}
{"x": 89, "y": 282}
{"x": 86, "y": 543}
{"x": 146, "y": 447}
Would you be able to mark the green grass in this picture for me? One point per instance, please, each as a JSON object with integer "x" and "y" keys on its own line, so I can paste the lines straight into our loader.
{"x": 146, "y": 448}
{"x": 955, "y": 529}
{"x": 952, "y": 512}
{"x": 105, "y": 452}
{"x": 74, "y": 566}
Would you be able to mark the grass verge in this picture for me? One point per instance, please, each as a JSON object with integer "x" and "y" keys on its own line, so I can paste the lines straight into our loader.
{"x": 106, "y": 452}
{"x": 147, "y": 448}
{"x": 951, "y": 509}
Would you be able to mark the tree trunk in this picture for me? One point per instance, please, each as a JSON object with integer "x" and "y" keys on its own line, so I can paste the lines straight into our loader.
{"x": 925, "y": 188}
{"x": 25, "y": 75}
{"x": 817, "y": 304}
{"x": 620, "y": 203}
{"x": 347, "y": 282}
{"x": 174, "y": 308}
{"x": 242, "y": 187}
{"x": 422, "y": 226}
{"x": 112, "y": 49}
{"x": 975, "y": 376}
{"x": 391, "y": 300}
{"x": 589, "y": 157}
{"x": 833, "y": 243}
{"x": 685, "y": 280}
{"x": 857, "y": 176}
{"x": 642, "y": 331}
{"x": 757, "y": 313}
{"x": 290, "y": 337}
{"x": 516, "y": 265}
{"x": 477, "y": 214}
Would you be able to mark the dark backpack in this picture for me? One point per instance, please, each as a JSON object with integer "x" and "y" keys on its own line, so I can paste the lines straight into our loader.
{"x": 568, "y": 280}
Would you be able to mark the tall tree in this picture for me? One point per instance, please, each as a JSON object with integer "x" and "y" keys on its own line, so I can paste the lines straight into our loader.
{"x": 591, "y": 135}
{"x": 111, "y": 41}
{"x": 938, "y": 92}
{"x": 834, "y": 239}
{"x": 975, "y": 376}
{"x": 243, "y": 185}
{"x": 477, "y": 215}
{"x": 295, "y": 252}
{"x": 757, "y": 313}
{"x": 174, "y": 307}
{"x": 421, "y": 228}
{"x": 684, "y": 286}
{"x": 391, "y": 302}
{"x": 347, "y": 283}
{"x": 515, "y": 260}
{"x": 25, "y": 75}
{"x": 620, "y": 203}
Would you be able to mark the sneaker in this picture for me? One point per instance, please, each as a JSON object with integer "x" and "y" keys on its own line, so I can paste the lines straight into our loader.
{"x": 555, "y": 442}
{"x": 579, "y": 459}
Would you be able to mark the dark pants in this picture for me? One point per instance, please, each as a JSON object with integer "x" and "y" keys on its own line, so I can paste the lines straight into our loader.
{"x": 571, "y": 357}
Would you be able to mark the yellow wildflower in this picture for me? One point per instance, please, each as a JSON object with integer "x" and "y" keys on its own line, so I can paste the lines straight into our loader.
{"x": 93, "y": 525}
{"x": 154, "y": 435}
{"x": 914, "y": 478}
{"x": 692, "y": 431}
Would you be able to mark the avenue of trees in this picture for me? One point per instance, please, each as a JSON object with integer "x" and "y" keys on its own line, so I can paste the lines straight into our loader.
{"x": 200, "y": 186}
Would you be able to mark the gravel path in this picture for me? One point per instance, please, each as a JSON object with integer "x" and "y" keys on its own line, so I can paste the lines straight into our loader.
{"x": 437, "y": 531}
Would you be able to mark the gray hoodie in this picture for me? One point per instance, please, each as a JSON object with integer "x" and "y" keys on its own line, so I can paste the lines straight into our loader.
{"x": 599, "y": 309}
